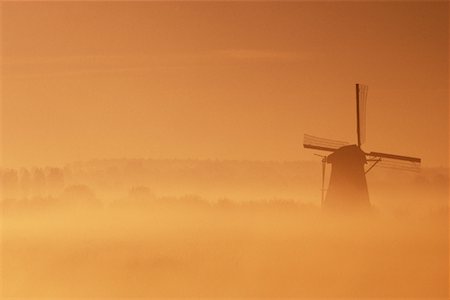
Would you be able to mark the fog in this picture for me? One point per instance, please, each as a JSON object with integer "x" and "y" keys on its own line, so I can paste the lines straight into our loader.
{"x": 160, "y": 228}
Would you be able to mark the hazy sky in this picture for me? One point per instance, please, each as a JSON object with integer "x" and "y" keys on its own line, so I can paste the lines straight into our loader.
{"x": 239, "y": 80}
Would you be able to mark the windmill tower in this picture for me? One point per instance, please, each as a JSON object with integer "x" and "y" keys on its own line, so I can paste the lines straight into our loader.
{"x": 347, "y": 188}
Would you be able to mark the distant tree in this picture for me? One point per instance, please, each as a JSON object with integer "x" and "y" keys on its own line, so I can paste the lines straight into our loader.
{"x": 192, "y": 200}
{"x": 9, "y": 183}
{"x": 134, "y": 171}
{"x": 24, "y": 182}
{"x": 67, "y": 173}
{"x": 140, "y": 195}
{"x": 38, "y": 187}
{"x": 225, "y": 203}
{"x": 55, "y": 180}
{"x": 80, "y": 195}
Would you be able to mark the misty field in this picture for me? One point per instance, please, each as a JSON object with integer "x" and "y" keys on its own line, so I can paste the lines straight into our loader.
{"x": 218, "y": 229}
{"x": 230, "y": 252}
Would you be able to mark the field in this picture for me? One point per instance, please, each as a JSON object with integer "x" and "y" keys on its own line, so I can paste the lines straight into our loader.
{"x": 229, "y": 253}
{"x": 79, "y": 244}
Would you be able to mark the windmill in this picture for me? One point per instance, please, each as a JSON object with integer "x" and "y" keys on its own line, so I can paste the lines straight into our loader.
{"x": 347, "y": 189}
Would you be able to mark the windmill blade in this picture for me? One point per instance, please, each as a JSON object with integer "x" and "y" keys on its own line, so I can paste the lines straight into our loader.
{"x": 320, "y": 148}
{"x": 361, "y": 103}
{"x": 317, "y": 143}
{"x": 394, "y": 156}
{"x": 399, "y": 165}
{"x": 397, "y": 162}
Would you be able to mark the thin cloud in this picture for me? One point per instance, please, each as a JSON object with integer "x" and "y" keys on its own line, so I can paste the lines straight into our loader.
{"x": 264, "y": 55}
{"x": 37, "y": 66}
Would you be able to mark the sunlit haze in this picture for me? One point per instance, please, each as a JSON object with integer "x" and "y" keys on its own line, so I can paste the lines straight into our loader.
{"x": 235, "y": 80}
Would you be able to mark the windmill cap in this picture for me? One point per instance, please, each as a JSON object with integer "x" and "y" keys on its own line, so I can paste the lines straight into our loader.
{"x": 347, "y": 154}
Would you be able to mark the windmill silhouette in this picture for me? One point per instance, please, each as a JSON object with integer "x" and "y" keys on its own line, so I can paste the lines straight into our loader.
{"x": 347, "y": 189}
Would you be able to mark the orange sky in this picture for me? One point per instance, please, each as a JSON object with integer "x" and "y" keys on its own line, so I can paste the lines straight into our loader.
{"x": 87, "y": 80}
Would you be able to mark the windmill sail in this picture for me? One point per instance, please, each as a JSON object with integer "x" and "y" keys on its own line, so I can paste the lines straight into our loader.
{"x": 361, "y": 103}
{"x": 397, "y": 162}
{"x": 394, "y": 156}
{"x": 314, "y": 142}
{"x": 399, "y": 165}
